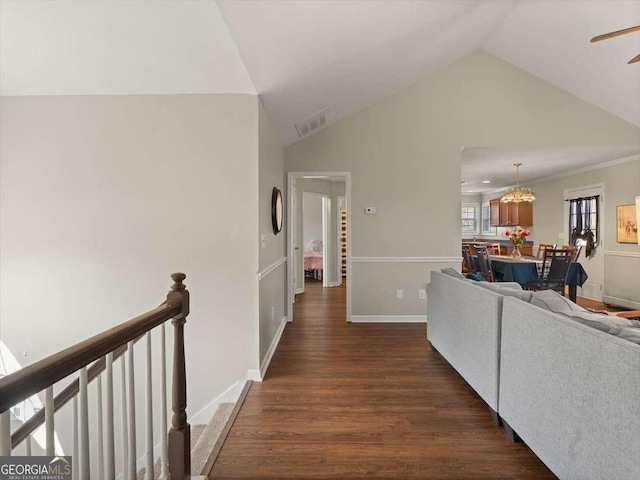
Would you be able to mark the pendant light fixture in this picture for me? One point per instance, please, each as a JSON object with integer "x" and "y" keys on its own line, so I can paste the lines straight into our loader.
{"x": 518, "y": 194}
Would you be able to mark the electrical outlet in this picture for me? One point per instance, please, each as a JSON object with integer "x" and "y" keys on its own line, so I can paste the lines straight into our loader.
{"x": 422, "y": 294}
{"x": 399, "y": 294}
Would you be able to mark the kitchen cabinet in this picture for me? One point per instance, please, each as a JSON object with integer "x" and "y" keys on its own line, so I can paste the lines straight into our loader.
{"x": 510, "y": 214}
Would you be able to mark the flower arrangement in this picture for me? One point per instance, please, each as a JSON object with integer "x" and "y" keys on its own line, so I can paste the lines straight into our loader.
{"x": 518, "y": 236}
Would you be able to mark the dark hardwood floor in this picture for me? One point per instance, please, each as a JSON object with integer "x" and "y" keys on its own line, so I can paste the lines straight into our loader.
{"x": 349, "y": 401}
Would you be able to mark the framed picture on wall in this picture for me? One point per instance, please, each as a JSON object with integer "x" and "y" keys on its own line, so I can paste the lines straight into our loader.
{"x": 626, "y": 224}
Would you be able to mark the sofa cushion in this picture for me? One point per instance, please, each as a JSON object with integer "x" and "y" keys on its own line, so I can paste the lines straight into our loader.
{"x": 602, "y": 322}
{"x": 554, "y": 302}
{"x": 628, "y": 333}
{"x": 508, "y": 290}
{"x": 452, "y": 272}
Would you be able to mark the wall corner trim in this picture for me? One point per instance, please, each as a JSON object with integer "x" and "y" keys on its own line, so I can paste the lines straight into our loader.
{"x": 270, "y": 268}
{"x": 254, "y": 374}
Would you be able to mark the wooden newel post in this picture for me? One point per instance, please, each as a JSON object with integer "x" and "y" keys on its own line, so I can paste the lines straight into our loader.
{"x": 180, "y": 431}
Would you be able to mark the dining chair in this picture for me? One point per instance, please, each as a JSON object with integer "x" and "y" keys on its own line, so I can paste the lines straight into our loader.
{"x": 575, "y": 249}
{"x": 467, "y": 257}
{"x": 553, "y": 274}
{"x": 542, "y": 247}
{"x": 495, "y": 248}
{"x": 484, "y": 262}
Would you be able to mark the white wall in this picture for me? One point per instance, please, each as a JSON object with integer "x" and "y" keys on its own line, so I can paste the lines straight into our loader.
{"x": 103, "y": 197}
{"x": 311, "y": 218}
{"x": 272, "y": 247}
{"x": 404, "y": 155}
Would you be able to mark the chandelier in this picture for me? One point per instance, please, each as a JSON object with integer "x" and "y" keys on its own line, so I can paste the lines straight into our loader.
{"x": 518, "y": 194}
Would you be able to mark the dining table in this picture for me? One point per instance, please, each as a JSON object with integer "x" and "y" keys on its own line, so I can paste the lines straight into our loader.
{"x": 527, "y": 269}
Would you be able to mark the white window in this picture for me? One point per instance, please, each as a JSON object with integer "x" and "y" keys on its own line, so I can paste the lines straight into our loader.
{"x": 470, "y": 218}
{"x": 487, "y": 229}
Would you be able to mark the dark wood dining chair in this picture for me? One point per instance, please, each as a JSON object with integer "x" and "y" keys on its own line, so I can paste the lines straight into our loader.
{"x": 467, "y": 257}
{"x": 542, "y": 247}
{"x": 484, "y": 263}
{"x": 575, "y": 249}
{"x": 555, "y": 267}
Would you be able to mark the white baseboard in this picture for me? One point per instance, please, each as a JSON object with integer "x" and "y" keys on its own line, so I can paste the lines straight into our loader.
{"x": 388, "y": 318}
{"x": 620, "y": 302}
{"x": 230, "y": 395}
{"x": 335, "y": 284}
{"x": 272, "y": 348}
{"x": 254, "y": 374}
{"x": 299, "y": 290}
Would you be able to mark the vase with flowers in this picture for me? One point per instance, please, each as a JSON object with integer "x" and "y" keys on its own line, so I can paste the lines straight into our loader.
{"x": 517, "y": 237}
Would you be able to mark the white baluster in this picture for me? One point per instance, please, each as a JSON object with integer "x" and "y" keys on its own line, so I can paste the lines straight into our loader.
{"x": 49, "y": 411}
{"x": 149, "y": 475}
{"x": 125, "y": 422}
{"x": 5, "y": 434}
{"x": 83, "y": 435}
{"x": 100, "y": 432}
{"x": 164, "y": 462}
{"x": 28, "y": 446}
{"x": 110, "y": 459}
{"x": 132, "y": 415}
{"x": 75, "y": 460}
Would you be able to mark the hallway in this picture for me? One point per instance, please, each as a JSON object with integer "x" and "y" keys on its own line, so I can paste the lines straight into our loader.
{"x": 347, "y": 401}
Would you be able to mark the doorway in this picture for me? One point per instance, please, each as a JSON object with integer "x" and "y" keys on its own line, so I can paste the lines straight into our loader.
{"x": 318, "y": 252}
{"x": 316, "y": 213}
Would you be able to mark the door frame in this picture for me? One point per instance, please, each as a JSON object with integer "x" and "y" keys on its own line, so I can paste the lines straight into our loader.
{"x": 291, "y": 178}
{"x": 339, "y": 198}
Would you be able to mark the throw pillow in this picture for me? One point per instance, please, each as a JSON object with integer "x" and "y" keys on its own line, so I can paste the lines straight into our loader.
{"x": 476, "y": 277}
{"x": 554, "y": 302}
{"x": 451, "y": 272}
{"x": 631, "y": 334}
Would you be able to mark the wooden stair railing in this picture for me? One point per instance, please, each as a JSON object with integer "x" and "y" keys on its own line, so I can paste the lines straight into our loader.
{"x": 103, "y": 349}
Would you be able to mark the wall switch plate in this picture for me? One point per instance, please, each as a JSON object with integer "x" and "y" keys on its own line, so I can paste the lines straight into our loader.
{"x": 370, "y": 210}
{"x": 422, "y": 294}
{"x": 399, "y": 294}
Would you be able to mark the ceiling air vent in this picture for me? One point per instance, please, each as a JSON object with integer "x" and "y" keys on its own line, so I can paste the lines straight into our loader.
{"x": 312, "y": 123}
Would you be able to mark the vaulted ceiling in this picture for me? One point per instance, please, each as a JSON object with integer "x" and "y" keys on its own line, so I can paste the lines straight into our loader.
{"x": 303, "y": 56}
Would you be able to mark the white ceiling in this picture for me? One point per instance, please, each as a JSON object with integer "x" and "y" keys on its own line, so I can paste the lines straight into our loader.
{"x": 550, "y": 39}
{"x": 346, "y": 55}
{"x": 303, "y": 56}
{"x": 55, "y": 47}
{"x": 496, "y": 164}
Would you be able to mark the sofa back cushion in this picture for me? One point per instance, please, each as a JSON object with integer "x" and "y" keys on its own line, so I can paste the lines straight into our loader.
{"x": 507, "y": 291}
{"x": 554, "y": 302}
{"x": 602, "y": 322}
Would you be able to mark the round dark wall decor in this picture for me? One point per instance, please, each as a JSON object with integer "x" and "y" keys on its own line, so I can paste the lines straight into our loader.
{"x": 276, "y": 210}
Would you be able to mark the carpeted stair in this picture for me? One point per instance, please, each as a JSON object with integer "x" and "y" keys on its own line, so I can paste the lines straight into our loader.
{"x": 203, "y": 439}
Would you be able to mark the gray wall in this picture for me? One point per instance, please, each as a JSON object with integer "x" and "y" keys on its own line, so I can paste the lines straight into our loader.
{"x": 272, "y": 247}
{"x": 404, "y": 154}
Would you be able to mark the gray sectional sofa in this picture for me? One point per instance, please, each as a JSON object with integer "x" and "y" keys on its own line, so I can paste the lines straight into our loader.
{"x": 560, "y": 381}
